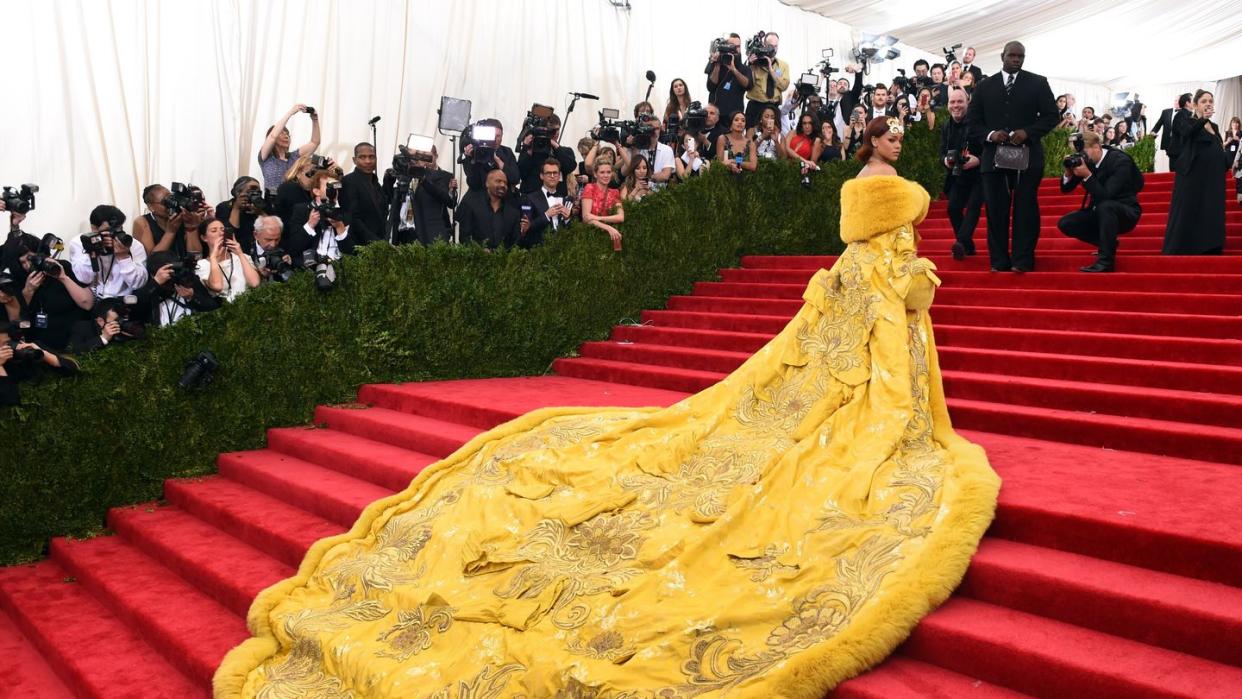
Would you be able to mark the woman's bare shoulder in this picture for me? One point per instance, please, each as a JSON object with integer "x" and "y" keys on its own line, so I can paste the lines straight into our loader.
{"x": 876, "y": 169}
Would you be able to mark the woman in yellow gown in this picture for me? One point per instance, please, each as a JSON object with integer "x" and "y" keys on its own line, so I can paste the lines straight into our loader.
{"x": 773, "y": 535}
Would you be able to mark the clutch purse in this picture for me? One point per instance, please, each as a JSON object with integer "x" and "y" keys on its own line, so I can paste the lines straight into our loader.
{"x": 1011, "y": 157}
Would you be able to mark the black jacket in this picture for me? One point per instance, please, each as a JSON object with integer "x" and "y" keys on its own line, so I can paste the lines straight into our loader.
{"x": 531, "y": 164}
{"x": 478, "y": 223}
{"x": 432, "y": 201}
{"x": 296, "y": 240}
{"x": 288, "y": 196}
{"x": 363, "y": 199}
{"x": 1031, "y": 108}
{"x": 476, "y": 173}
{"x": 540, "y": 224}
{"x": 1116, "y": 179}
{"x": 1165, "y": 122}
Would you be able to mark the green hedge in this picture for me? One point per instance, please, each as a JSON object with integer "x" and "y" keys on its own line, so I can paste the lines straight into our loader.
{"x": 113, "y": 434}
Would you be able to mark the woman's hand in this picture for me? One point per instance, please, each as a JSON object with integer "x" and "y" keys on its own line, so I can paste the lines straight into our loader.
{"x": 33, "y": 282}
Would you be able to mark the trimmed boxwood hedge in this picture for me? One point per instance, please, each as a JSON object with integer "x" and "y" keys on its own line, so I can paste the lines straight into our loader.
{"x": 111, "y": 435}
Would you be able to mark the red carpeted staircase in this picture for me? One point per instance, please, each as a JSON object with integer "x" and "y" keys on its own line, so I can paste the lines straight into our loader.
{"x": 1110, "y": 404}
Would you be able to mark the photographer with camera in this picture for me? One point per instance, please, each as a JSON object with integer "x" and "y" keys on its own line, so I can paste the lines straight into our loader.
{"x": 226, "y": 271}
{"x": 538, "y": 147}
{"x": 322, "y": 232}
{"x": 427, "y": 196}
{"x": 21, "y": 361}
{"x": 923, "y": 111}
{"x": 1111, "y": 206}
{"x": 108, "y": 260}
{"x": 306, "y": 175}
{"x": 243, "y": 209}
{"x": 854, "y": 130}
{"x": 174, "y": 290}
{"x": 112, "y": 320}
{"x": 363, "y": 198}
{"x": 959, "y": 153}
{"x": 173, "y": 217}
{"x": 939, "y": 88}
{"x": 273, "y": 263}
{"x": 51, "y": 299}
{"x": 728, "y": 78}
{"x": 493, "y": 220}
{"x": 770, "y": 77}
{"x": 645, "y": 141}
{"x": 483, "y": 151}
{"x": 275, "y": 159}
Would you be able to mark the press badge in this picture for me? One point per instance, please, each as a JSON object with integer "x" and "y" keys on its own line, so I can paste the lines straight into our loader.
{"x": 40, "y": 321}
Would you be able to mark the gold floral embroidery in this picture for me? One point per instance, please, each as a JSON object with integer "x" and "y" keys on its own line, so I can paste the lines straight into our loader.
{"x": 703, "y": 481}
{"x": 300, "y": 674}
{"x": 489, "y": 683}
{"x": 493, "y": 469}
{"x": 412, "y": 633}
{"x": 606, "y": 645}
{"x": 766, "y": 565}
{"x": 595, "y": 556}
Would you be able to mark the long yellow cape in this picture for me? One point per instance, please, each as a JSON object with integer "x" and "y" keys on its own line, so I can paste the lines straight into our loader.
{"x": 772, "y": 535}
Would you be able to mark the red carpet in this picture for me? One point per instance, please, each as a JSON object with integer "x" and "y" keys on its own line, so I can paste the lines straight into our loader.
{"x": 1110, "y": 404}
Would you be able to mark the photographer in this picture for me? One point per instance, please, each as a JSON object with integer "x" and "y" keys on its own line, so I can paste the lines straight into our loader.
{"x": 658, "y": 154}
{"x": 923, "y": 111}
{"x": 535, "y": 151}
{"x": 49, "y": 297}
{"x": 273, "y": 263}
{"x": 544, "y": 209}
{"x": 959, "y": 153}
{"x": 423, "y": 213}
{"x": 307, "y": 174}
{"x": 494, "y": 220}
{"x": 363, "y": 198}
{"x": 110, "y": 322}
{"x": 114, "y": 263}
{"x": 770, "y": 77}
{"x": 939, "y": 89}
{"x": 854, "y": 130}
{"x": 1113, "y": 182}
{"x": 166, "y": 229}
{"x": 728, "y": 78}
{"x": 22, "y": 361}
{"x": 174, "y": 290}
{"x": 274, "y": 156}
{"x": 320, "y": 227}
{"x": 226, "y": 271}
{"x": 492, "y": 155}
{"x": 242, "y": 210}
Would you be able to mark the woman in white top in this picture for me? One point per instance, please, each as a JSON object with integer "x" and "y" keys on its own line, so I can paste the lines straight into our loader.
{"x": 226, "y": 271}
{"x": 768, "y": 142}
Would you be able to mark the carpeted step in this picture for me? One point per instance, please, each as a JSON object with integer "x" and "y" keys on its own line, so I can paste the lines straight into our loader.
{"x": 95, "y": 653}
{"x": 698, "y": 359}
{"x": 1165, "y": 264}
{"x": 25, "y": 671}
{"x": 740, "y": 279}
{"x": 452, "y": 399}
{"x": 269, "y": 524}
{"x": 669, "y": 378}
{"x": 688, "y": 337}
{"x": 725, "y": 322}
{"x": 1182, "y": 614}
{"x": 900, "y": 677}
{"x": 1215, "y": 353}
{"x": 1206, "y": 442}
{"x": 321, "y": 491}
{"x": 1044, "y": 657}
{"x": 191, "y": 630}
{"x": 1156, "y": 205}
{"x": 1052, "y": 243}
{"x": 387, "y": 466}
{"x": 1147, "y": 225}
{"x": 228, "y": 569}
{"x": 438, "y": 438}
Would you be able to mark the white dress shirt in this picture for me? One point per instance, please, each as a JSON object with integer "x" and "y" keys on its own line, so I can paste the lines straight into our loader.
{"x": 552, "y": 200}
{"x": 115, "y": 277}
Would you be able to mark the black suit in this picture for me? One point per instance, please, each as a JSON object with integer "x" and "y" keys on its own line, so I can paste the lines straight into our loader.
{"x": 481, "y": 224}
{"x": 1178, "y": 128}
{"x": 296, "y": 240}
{"x": 363, "y": 199}
{"x": 1110, "y": 206}
{"x": 852, "y": 98}
{"x": 1029, "y": 106}
{"x": 540, "y": 224}
{"x": 531, "y": 164}
{"x": 1164, "y": 122}
{"x": 432, "y": 201}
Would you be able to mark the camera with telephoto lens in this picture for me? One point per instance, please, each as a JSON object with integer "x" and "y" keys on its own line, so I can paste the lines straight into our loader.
{"x": 1076, "y": 158}
{"x": 199, "y": 370}
{"x": 642, "y": 130}
{"x": 183, "y": 197}
{"x": 695, "y": 121}
{"x": 95, "y": 243}
{"x": 954, "y": 159}
{"x": 20, "y": 200}
{"x": 274, "y": 262}
{"x": 26, "y": 354}
{"x": 44, "y": 258}
{"x": 252, "y": 200}
{"x": 758, "y": 46}
{"x": 485, "y": 139}
{"x": 320, "y": 162}
{"x": 325, "y": 272}
{"x": 185, "y": 270}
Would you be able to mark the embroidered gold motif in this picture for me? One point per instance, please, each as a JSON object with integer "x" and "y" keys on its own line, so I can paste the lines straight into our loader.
{"x": 606, "y": 645}
{"x": 300, "y": 674}
{"x": 412, "y": 633}
{"x": 489, "y": 683}
{"x": 766, "y": 565}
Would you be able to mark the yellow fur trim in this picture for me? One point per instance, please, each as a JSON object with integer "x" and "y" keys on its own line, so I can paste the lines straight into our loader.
{"x": 871, "y": 206}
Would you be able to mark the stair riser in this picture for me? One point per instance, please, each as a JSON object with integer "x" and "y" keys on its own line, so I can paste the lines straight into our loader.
{"x": 316, "y": 501}
{"x": 393, "y": 476}
{"x": 356, "y": 422}
{"x": 287, "y": 550}
{"x": 791, "y": 284}
{"x": 1145, "y": 263}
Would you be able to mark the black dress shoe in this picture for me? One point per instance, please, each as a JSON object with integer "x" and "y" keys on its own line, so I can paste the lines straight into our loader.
{"x": 1021, "y": 269}
{"x": 1098, "y": 267}
{"x": 959, "y": 251}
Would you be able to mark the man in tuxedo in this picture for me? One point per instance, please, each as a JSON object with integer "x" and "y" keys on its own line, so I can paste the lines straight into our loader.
{"x": 494, "y": 220}
{"x": 1110, "y": 206}
{"x": 968, "y": 66}
{"x": 549, "y": 211}
{"x": 1013, "y": 108}
{"x": 1169, "y": 142}
{"x": 363, "y": 198}
{"x": 422, "y": 214}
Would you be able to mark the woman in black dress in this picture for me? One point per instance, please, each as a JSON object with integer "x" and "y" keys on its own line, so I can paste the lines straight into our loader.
{"x": 1197, "y": 212}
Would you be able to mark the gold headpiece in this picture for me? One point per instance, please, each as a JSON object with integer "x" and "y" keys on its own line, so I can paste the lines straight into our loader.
{"x": 894, "y": 125}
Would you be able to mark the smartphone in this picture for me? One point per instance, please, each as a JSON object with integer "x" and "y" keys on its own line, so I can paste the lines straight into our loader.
{"x": 526, "y": 209}
{"x": 689, "y": 143}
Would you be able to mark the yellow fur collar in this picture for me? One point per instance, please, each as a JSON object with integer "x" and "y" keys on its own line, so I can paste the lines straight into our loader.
{"x": 874, "y": 205}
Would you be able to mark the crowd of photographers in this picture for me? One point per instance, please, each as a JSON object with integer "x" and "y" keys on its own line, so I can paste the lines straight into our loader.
{"x": 185, "y": 256}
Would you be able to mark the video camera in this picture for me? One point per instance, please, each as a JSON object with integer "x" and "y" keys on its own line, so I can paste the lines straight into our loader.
{"x": 414, "y": 159}
{"x": 611, "y": 129}
{"x": 485, "y": 139}
{"x": 950, "y": 53}
{"x": 758, "y": 46}
{"x": 808, "y": 85}
{"x": 825, "y": 66}
{"x": 20, "y": 200}
{"x": 724, "y": 47}
{"x": 183, "y": 197}
{"x": 94, "y": 244}
{"x": 538, "y": 126}
{"x": 695, "y": 120}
